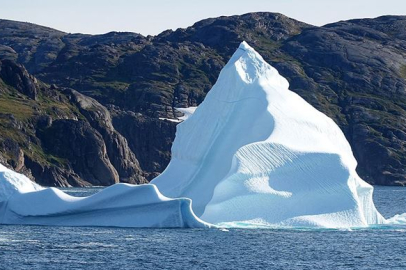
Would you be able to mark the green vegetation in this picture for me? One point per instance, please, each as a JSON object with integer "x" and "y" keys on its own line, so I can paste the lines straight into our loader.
{"x": 38, "y": 154}
{"x": 403, "y": 71}
{"x": 266, "y": 42}
{"x": 17, "y": 120}
{"x": 113, "y": 85}
{"x": 18, "y": 107}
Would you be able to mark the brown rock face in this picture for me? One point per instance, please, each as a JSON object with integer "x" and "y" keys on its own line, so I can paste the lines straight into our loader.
{"x": 83, "y": 146}
{"x": 150, "y": 138}
{"x": 58, "y": 136}
{"x": 120, "y": 155}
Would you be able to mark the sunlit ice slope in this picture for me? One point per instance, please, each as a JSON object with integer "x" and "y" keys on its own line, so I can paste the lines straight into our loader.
{"x": 255, "y": 153}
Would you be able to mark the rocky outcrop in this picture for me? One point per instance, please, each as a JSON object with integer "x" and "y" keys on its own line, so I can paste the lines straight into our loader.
{"x": 83, "y": 146}
{"x": 32, "y": 45}
{"x": 120, "y": 155}
{"x": 60, "y": 137}
{"x": 50, "y": 175}
{"x": 150, "y": 138}
{"x": 17, "y": 76}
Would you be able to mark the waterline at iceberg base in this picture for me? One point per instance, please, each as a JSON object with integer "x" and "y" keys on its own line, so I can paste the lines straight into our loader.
{"x": 253, "y": 154}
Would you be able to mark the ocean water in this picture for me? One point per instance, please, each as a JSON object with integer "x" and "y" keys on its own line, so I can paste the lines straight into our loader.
{"x": 40, "y": 247}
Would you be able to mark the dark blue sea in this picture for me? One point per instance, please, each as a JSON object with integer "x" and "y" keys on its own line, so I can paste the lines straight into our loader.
{"x": 37, "y": 247}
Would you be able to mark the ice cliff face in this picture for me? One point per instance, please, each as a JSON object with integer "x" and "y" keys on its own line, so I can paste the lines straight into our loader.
{"x": 255, "y": 153}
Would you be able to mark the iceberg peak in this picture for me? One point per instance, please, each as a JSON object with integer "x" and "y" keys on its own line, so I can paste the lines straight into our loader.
{"x": 244, "y": 46}
{"x": 251, "y": 68}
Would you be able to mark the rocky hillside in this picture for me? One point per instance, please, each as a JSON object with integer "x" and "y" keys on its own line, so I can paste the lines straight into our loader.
{"x": 58, "y": 136}
{"x": 354, "y": 71}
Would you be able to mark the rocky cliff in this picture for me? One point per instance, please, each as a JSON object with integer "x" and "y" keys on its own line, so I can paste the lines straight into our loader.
{"x": 58, "y": 136}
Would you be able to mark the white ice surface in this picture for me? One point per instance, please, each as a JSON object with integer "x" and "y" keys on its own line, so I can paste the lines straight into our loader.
{"x": 121, "y": 205}
{"x": 12, "y": 182}
{"x": 187, "y": 112}
{"x": 255, "y": 153}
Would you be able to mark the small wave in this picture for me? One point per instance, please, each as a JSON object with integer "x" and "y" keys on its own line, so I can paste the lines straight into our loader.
{"x": 397, "y": 219}
{"x": 396, "y": 223}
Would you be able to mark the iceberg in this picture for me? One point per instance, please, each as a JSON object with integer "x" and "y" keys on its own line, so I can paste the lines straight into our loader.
{"x": 254, "y": 153}
{"x": 121, "y": 205}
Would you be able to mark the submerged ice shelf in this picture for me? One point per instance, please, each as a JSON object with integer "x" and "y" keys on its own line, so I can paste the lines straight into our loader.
{"x": 253, "y": 154}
